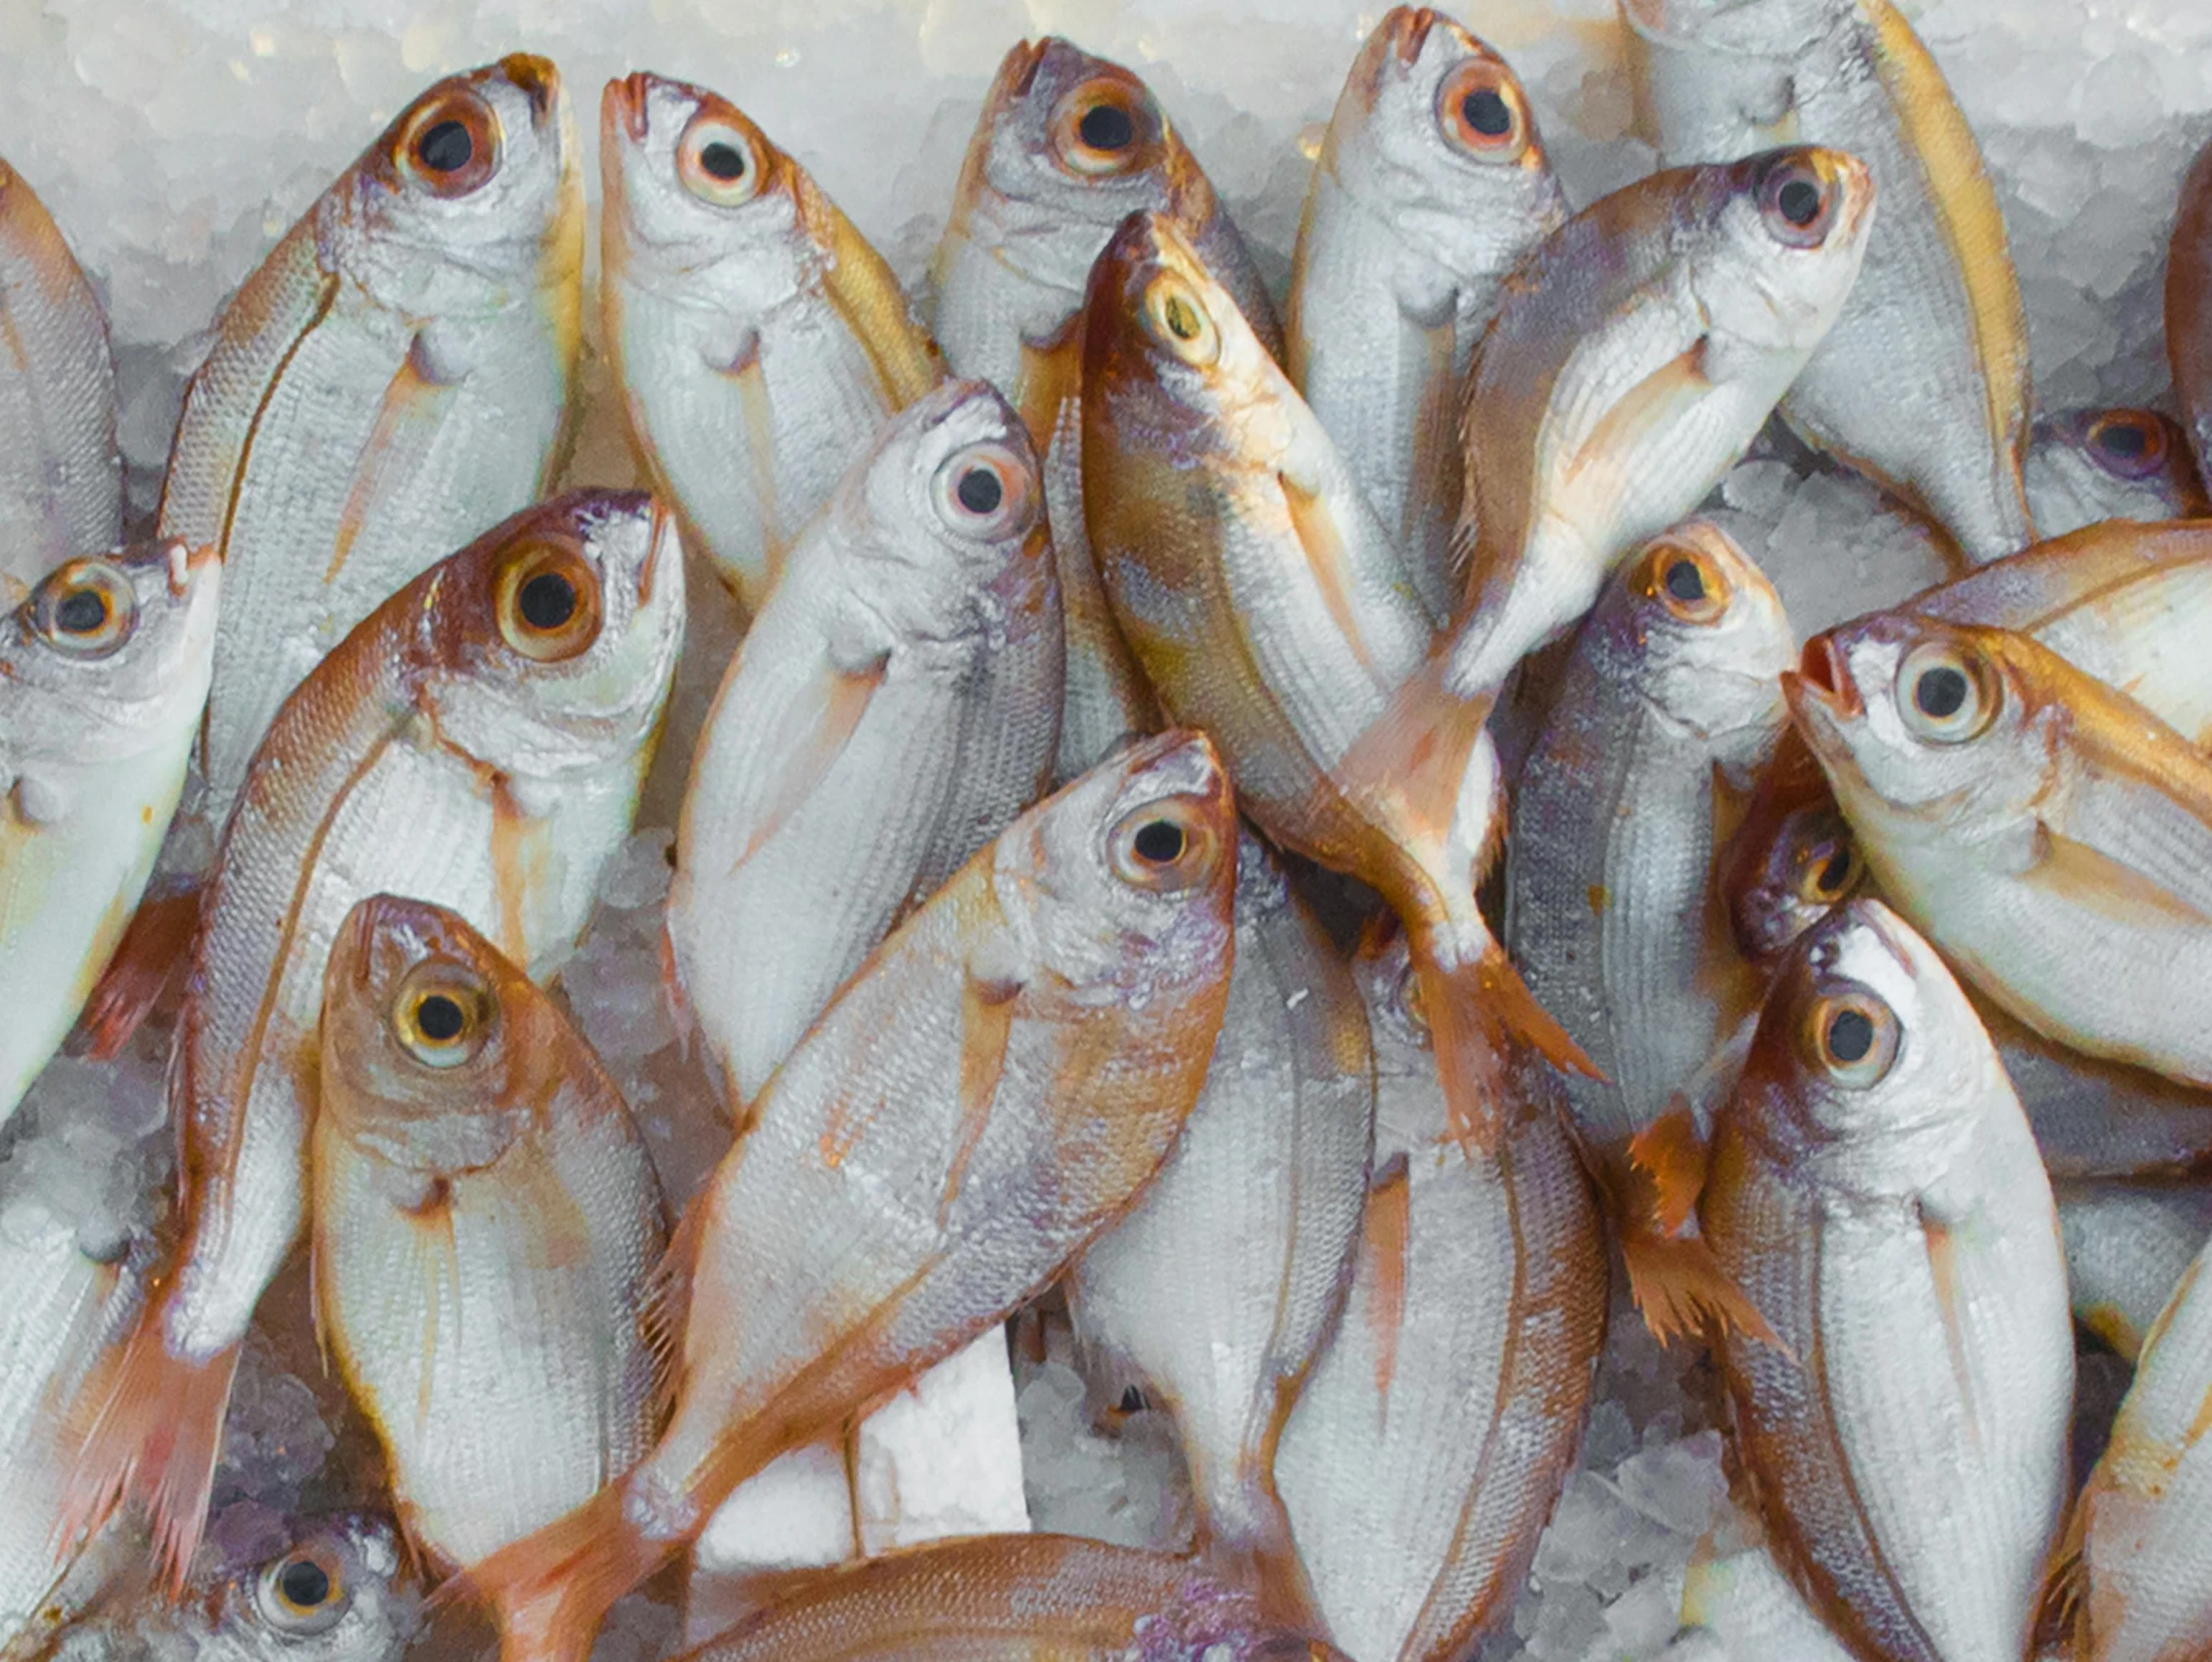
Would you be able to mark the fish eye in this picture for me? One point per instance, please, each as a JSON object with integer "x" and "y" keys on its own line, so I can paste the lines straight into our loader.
{"x": 451, "y": 145}
{"x": 986, "y": 491}
{"x": 2130, "y": 443}
{"x": 84, "y": 608}
{"x": 548, "y": 603}
{"x": 443, "y": 1014}
{"x": 304, "y": 1592}
{"x": 1824, "y": 859}
{"x": 717, "y": 162}
{"x": 1686, "y": 581}
{"x": 1480, "y": 109}
{"x": 1945, "y": 693}
{"x": 1797, "y": 204}
{"x": 1178, "y": 321}
{"x": 1852, "y": 1038}
{"x": 1104, "y": 125}
{"x": 1164, "y": 846}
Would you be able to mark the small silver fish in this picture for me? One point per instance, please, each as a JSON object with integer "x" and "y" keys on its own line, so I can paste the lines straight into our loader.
{"x": 2127, "y": 1247}
{"x": 2090, "y": 465}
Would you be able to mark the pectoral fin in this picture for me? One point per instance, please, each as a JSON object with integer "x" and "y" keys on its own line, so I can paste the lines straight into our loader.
{"x": 987, "y": 1007}
{"x": 2086, "y": 876}
{"x": 1660, "y": 400}
{"x": 826, "y": 716}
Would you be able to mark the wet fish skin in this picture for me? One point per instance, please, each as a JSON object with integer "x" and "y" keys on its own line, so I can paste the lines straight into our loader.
{"x": 421, "y": 319}
{"x": 1035, "y": 202}
{"x": 2127, "y": 1247}
{"x": 1923, "y": 382}
{"x": 1432, "y": 185}
{"x": 758, "y": 339}
{"x": 2001, "y": 797}
{"x": 1737, "y": 1592}
{"x": 486, "y": 1220}
{"x": 2189, "y": 308}
{"x": 480, "y": 741}
{"x": 1632, "y": 358}
{"x": 2085, "y": 467}
{"x": 896, "y": 703}
{"x": 1268, "y": 1184}
{"x": 989, "y": 1091}
{"x": 1432, "y": 1437}
{"x": 1876, "y": 1195}
{"x": 104, "y": 672}
{"x": 61, "y": 475}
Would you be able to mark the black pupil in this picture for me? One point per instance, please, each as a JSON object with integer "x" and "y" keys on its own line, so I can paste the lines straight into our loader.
{"x": 723, "y": 161}
{"x": 1159, "y": 842}
{"x": 1851, "y": 1035}
{"x": 1685, "y": 581}
{"x": 83, "y": 613}
{"x": 439, "y": 1020}
{"x": 1182, "y": 323}
{"x": 445, "y": 146}
{"x": 548, "y": 601}
{"x": 1834, "y": 872}
{"x": 1486, "y": 112}
{"x": 1799, "y": 201}
{"x": 304, "y": 1583}
{"x": 980, "y": 490}
{"x": 1940, "y": 692}
{"x": 1107, "y": 127}
{"x": 2124, "y": 438}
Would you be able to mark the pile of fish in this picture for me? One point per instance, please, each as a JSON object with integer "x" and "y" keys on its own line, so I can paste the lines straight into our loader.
{"x": 1272, "y": 849}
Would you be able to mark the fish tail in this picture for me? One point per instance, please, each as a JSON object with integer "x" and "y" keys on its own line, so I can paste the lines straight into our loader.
{"x": 153, "y": 1445}
{"x": 1681, "y": 1289}
{"x": 1481, "y": 1017}
{"x": 140, "y": 977}
{"x": 549, "y": 1591}
{"x": 1257, "y": 1552}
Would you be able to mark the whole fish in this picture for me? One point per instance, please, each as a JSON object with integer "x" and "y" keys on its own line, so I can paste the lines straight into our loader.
{"x": 391, "y": 383}
{"x": 2090, "y": 465}
{"x": 987, "y": 1094}
{"x": 1011, "y": 1598}
{"x": 1067, "y": 146}
{"x": 1430, "y": 186}
{"x": 894, "y": 705}
{"x": 1266, "y": 1185}
{"x": 759, "y": 340}
{"x": 2004, "y": 801}
{"x": 1424, "y": 1454}
{"x": 1875, "y": 1192}
{"x": 2189, "y": 308}
{"x": 2135, "y": 1581}
{"x": 103, "y": 676}
{"x": 61, "y": 476}
{"x": 1923, "y": 381}
{"x": 2127, "y": 1247}
{"x": 478, "y": 742}
{"x": 486, "y": 1220}
{"x": 1634, "y": 356}
{"x": 1669, "y": 702}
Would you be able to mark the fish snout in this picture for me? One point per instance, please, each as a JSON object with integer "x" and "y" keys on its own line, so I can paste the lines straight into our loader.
{"x": 1824, "y": 673}
{"x": 538, "y": 80}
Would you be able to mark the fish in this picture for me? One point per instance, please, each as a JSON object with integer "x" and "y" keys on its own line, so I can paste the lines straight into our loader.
{"x": 1026, "y": 1598}
{"x": 1876, "y": 1194}
{"x": 759, "y": 340}
{"x": 392, "y": 381}
{"x": 895, "y": 704}
{"x": 1433, "y": 1436}
{"x": 2133, "y": 1582}
{"x": 1067, "y": 146}
{"x": 990, "y": 1090}
{"x": 1431, "y": 186}
{"x": 104, "y": 672}
{"x": 2127, "y": 1247}
{"x": 1635, "y": 355}
{"x": 1736, "y": 1592}
{"x": 1923, "y": 382}
{"x": 61, "y": 474}
{"x": 486, "y": 1220}
{"x": 1267, "y": 1184}
{"x": 2002, "y": 798}
{"x": 1669, "y": 703}
{"x": 2188, "y": 300}
{"x": 478, "y": 741}
{"x": 2088, "y": 465}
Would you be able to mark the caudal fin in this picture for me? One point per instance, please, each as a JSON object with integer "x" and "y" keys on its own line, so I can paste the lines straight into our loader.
{"x": 1480, "y": 1012}
{"x": 1673, "y": 1275}
{"x": 153, "y": 1445}
{"x": 138, "y": 980}
{"x": 548, "y": 1592}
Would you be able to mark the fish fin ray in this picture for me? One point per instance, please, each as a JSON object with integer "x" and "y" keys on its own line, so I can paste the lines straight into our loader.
{"x": 1942, "y": 1262}
{"x": 415, "y": 405}
{"x": 1324, "y": 542}
{"x": 987, "y": 1008}
{"x": 2085, "y": 875}
{"x": 1681, "y": 1289}
{"x": 841, "y": 698}
{"x": 141, "y": 978}
{"x": 1670, "y": 1154}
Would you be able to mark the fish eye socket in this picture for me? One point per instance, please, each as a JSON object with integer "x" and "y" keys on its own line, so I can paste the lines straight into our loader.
{"x": 1178, "y": 321}
{"x": 984, "y": 491}
{"x": 1797, "y": 204}
{"x": 716, "y": 163}
{"x": 1852, "y": 1038}
{"x": 1945, "y": 693}
{"x": 86, "y": 609}
{"x": 304, "y": 1592}
{"x": 1832, "y": 869}
{"x": 1687, "y": 584}
{"x": 1102, "y": 127}
{"x": 1162, "y": 846}
{"x": 442, "y": 1014}
{"x": 2130, "y": 443}
{"x": 1480, "y": 111}
{"x": 548, "y": 603}
{"x": 452, "y": 146}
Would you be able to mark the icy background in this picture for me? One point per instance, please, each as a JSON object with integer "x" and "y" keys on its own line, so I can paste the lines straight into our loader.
{"x": 175, "y": 141}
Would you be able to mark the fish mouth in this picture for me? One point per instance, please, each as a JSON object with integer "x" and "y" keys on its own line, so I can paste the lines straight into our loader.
{"x": 536, "y": 78}
{"x": 1824, "y": 674}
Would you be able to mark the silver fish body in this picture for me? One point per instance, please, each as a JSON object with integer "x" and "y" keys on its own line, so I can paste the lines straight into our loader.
{"x": 2088, "y": 465}
{"x": 2127, "y": 1247}
{"x": 1736, "y": 1592}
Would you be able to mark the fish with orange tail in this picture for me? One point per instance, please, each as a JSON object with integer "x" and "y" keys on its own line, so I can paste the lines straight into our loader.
{"x": 478, "y": 742}
{"x": 989, "y": 1091}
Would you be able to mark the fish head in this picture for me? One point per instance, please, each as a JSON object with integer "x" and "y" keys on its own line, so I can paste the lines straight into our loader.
{"x": 554, "y": 635}
{"x": 2084, "y": 465}
{"x": 1869, "y": 1064}
{"x": 1122, "y": 884}
{"x": 1803, "y": 871}
{"x": 471, "y": 201}
{"x": 1775, "y": 244}
{"x": 109, "y": 651}
{"x": 1705, "y": 632}
{"x": 338, "y": 1592}
{"x": 433, "y": 1047}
